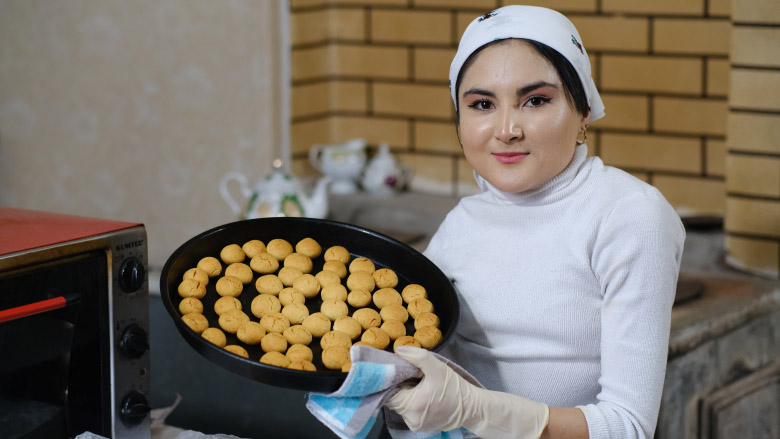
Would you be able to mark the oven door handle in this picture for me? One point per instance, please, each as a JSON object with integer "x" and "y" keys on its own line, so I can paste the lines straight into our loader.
{"x": 19, "y": 312}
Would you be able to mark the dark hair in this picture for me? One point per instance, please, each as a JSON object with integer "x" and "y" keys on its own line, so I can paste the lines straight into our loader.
{"x": 572, "y": 86}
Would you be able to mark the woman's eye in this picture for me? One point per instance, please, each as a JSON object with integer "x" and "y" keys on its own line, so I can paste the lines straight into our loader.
{"x": 481, "y": 104}
{"x": 537, "y": 101}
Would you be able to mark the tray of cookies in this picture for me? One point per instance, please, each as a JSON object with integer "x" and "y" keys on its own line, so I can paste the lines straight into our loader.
{"x": 280, "y": 300}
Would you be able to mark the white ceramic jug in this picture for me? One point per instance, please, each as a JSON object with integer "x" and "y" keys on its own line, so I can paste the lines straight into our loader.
{"x": 384, "y": 176}
{"x": 343, "y": 163}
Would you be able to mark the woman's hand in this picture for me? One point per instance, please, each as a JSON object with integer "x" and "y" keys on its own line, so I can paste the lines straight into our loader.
{"x": 444, "y": 401}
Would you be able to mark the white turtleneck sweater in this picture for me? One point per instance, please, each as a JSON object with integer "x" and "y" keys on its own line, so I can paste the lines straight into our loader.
{"x": 566, "y": 292}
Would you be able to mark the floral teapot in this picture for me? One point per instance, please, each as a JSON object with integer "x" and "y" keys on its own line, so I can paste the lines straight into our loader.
{"x": 276, "y": 194}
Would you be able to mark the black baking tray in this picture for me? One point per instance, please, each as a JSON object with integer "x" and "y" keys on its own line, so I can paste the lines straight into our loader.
{"x": 386, "y": 252}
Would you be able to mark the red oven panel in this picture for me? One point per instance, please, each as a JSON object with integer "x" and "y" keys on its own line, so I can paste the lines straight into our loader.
{"x": 22, "y": 229}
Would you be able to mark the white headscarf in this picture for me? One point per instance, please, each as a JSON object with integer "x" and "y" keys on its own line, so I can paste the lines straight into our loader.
{"x": 532, "y": 23}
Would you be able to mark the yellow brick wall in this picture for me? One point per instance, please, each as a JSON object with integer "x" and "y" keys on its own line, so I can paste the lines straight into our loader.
{"x": 378, "y": 70}
{"x": 752, "y": 168}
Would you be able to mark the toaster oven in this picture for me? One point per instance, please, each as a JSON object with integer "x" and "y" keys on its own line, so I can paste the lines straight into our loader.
{"x": 74, "y": 322}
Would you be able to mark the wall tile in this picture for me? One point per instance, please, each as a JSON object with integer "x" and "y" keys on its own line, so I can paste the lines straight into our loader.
{"x": 718, "y": 76}
{"x": 564, "y": 6}
{"x": 755, "y": 89}
{"x": 719, "y": 8}
{"x": 701, "y": 116}
{"x": 311, "y": 63}
{"x": 624, "y": 112}
{"x": 754, "y": 217}
{"x": 715, "y": 153}
{"x": 755, "y": 11}
{"x": 644, "y": 151}
{"x": 371, "y": 61}
{"x": 693, "y": 195}
{"x": 309, "y": 26}
{"x": 749, "y": 175}
{"x": 374, "y": 129}
{"x": 432, "y": 64}
{"x": 756, "y": 254}
{"x": 409, "y": 26}
{"x": 305, "y": 134}
{"x": 481, "y": 5}
{"x": 323, "y": 97}
{"x": 651, "y": 73}
{"x": 324, "y": 24}
{"x": 410, "y": 100}
{"x": 436, "y": 136}
{"x": 756, "y": 46}
{"x": 754, "y": 132}
{"x": 600, "y": 32}
{"x": 437, "y": 168}
{"x": 666, "y": 7}
{"x": 694, "y": 36}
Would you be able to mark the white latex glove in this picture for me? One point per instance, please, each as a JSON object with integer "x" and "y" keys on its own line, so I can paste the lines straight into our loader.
{"x": 444, "y": 401}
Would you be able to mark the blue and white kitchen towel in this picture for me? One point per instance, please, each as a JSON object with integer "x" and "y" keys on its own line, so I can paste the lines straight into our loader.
{"x": 375, "y": 375}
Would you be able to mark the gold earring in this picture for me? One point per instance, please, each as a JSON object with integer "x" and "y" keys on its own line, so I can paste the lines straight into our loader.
{"x": 584, "y": 133}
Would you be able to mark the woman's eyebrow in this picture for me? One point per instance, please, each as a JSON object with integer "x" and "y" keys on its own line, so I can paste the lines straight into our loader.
{"x": 520, "y": 91}
{"x": 478, "y": 91}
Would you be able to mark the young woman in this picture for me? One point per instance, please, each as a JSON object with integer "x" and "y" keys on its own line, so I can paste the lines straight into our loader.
{"x": 565, "y": 268}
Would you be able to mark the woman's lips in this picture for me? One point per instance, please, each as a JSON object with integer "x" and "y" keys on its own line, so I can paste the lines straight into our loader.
{"x": 508, "y": 158}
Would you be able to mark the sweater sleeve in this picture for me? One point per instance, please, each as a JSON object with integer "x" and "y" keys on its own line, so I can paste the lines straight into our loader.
{"x": 636, "y": 257}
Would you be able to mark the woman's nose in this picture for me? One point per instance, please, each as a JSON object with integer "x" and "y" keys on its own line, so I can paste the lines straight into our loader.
{"x": 510, "y": 129}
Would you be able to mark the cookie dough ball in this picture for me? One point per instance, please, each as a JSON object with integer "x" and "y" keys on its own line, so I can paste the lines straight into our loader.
{"x": 304, "y": 365}
{"x": 326, "y": 278}
{"x": 394, "y": 328}
{"x": 413, "y": 291}
{"x": 253, "y": 248}
{"x": 288, "y": 275}
{"x": 191, "y": 288}
{"x": 231, "y": 320}
{"x": 190, "y": 305}
{"x": 290, "y": 295}
{"x": 428, "y": 336}
{"x": 295, "y": 312}
{"x": 275, "y": 323}
{"x": 334, "y": 309}
{"x": 334, "y": 292}
{"x": 360, "y": 280}
{"x": 215, "y": 336}
{"x": 299, "y": 261}
{"x": 337, "y": 253}
{"x": 426, "y": 319}
{"x": 225, "y": 304}
{"x": 211, "y": 266}
{"x": 279, "y": 248}
{"x": 359, "y": 298}
{"x": 250, "y": 332}
{"x": 196, "y": 321}
{"x": 299, "y": 352}
{"x": 367, "y": 317}
{"x": 229, "y": 286}
{"x": 297, "y": 334}
{"x": 238, "y": 350}
{"x": 273, "y": 342}
{"x": 335, "y": 338}
{"x": 275, "y": 358}
{"x": 376, "y": 337}
{"x": 337, "y": 267}
{"x": 269, "y": 284}
{"x": 231, "y": 254}
{"x": 241, "y": 271}
{"x": 418, "y": 306}
{"x": 362, "y": 264}
{"x": 387, "y": 296}
{"x": 334, "y": 357}
{"x": 394, "y": 312}
{"x": 265, "y": 304}
{"x": 308, "y": 286}
{"x": 349, "y": 326}
{"x": 198, "y": 274}
{"x": 405, "y": 340}
{"x": 317, "y": 324}
{"x": 264, "y": 263}
{"x": 385, "y": 278}
{"x": 309, "y": 247}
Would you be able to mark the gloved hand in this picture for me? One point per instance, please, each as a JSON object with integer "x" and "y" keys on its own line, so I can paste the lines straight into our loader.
{"x": 444, "y": 401}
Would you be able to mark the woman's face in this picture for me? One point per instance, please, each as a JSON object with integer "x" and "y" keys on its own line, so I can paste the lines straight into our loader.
{"x": 517, "y": 127}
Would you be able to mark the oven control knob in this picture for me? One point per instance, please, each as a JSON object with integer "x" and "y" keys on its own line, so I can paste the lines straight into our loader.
{"x": 135, "y": 408}
{"x": 131, "y": 275}
{"x": 134, "y": 341}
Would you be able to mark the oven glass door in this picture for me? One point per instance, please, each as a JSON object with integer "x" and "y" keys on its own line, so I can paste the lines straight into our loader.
{"x": 55, "y": 368}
